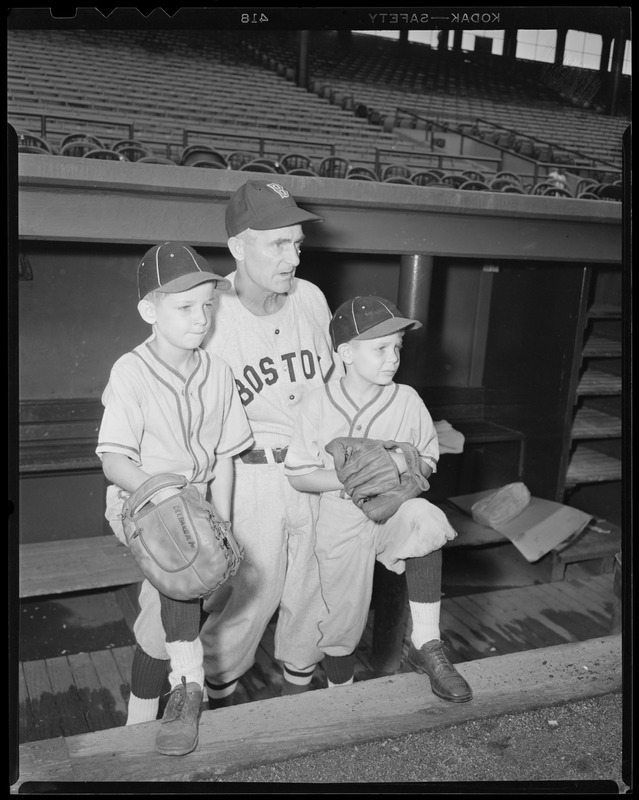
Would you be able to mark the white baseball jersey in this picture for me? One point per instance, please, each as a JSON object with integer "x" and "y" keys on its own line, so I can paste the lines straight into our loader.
{"x": 165, "y": 422}
{"x": 396, "y": 412}
{"x": 276, "y": 359}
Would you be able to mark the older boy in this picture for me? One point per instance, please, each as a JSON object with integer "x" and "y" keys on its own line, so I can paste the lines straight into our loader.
{"x": 170, "y": 406}
{"x": 367, "y": 334}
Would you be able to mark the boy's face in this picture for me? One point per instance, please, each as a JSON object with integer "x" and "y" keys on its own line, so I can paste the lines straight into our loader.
{"x": 374, "y": 360}
{"x": 183, "y": 319}
{"x": 270, "y": 258}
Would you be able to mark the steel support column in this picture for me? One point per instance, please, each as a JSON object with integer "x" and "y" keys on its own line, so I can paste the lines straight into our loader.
{"x": 413, "y": 297}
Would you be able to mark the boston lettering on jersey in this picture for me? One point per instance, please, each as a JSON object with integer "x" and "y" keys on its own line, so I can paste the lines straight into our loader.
{"x": 295, "y": 367}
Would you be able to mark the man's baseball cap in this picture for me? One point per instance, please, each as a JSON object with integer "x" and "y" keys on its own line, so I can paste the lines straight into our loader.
{"x": 368, "y": 318}
{"x": 174, "y": 267}
{"x": 264, "y": 206}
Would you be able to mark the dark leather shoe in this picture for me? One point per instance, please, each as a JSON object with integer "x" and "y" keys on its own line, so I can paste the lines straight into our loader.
{"x": 445, "y": 681}
{"x": 178, "y": 734}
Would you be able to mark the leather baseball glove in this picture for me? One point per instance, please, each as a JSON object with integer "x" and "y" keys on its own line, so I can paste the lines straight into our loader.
{"x": 371, "y": 477}
{"x": 181, "y": 544}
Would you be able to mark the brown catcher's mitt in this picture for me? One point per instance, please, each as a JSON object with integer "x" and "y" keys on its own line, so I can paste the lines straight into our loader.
{"x": 181, "y": 544}
{"x": 371, "y": 478}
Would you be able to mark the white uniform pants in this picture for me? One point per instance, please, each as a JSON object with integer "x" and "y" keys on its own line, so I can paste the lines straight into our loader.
{"x": 348, "y": 543}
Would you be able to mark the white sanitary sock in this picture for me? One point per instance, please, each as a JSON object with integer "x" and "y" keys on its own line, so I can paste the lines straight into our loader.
{"x": 187, "y": 659}
{"x": 425, "y": 619}
{"x": 142, "y": 709}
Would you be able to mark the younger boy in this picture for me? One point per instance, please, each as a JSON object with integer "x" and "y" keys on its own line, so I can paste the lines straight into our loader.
{"x": 172, "y": 407}
{"x": 367, "y": 334}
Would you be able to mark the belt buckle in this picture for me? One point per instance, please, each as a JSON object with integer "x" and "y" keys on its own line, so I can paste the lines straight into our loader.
{"x": 277, "y": 455}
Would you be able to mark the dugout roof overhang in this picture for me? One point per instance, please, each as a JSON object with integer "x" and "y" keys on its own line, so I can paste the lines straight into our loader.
{"x": 86, "y": 200}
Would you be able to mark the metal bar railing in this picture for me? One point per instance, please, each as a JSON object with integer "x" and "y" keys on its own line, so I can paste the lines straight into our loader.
{"x": 45, "y": 117}
{"x": 433, "y": 159}
{"x": 260, "y": 138}
{"x": 528, "y": 137}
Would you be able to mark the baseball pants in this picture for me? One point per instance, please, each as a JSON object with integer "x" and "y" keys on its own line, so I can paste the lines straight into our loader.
{"x": 348, "y": 543}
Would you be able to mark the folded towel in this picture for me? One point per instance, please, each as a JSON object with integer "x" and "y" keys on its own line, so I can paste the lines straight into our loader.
{"x": 450, "y": 440}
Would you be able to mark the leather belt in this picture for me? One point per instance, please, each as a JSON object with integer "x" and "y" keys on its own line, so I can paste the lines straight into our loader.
{"x": 256, "y": 456}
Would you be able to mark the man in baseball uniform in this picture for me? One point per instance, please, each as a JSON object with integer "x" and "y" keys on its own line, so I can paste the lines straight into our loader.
{"x": 366, "y": 403}
{"x": 272, "y": 329}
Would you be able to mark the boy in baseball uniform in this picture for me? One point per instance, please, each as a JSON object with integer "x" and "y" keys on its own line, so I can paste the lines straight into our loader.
{"x": 367, "y": 334}
{"x": 171, "y": 407}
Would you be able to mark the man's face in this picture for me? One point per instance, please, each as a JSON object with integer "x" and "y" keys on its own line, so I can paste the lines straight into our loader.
{"x": 271, "y": 257}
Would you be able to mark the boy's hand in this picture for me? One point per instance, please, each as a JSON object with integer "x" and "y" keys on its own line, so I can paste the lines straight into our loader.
{"x": 365, "y": 467}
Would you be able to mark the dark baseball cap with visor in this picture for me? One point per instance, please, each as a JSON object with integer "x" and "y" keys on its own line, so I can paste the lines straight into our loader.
{"x": 264, "y": 206}
{"x": 173, "y": 267}
{"x": 368, "y": 318}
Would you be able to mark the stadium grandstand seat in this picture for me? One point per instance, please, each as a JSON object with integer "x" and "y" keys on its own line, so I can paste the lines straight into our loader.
{"x": 124, "y": 143}
{"x": 238, "y": 158}
{"x": 475, "y": 186}
{"x": 31, "y": 140}
{"x": 539, "y": 187}
{"x": 525, "y": 148}
{"x": 291, "y": 161}
{"x": 133, "y": 153}
{"x": 104, "y": 154}
{"x": 544, "y": 153}
{"x": 333, "y": 167}
{"x": 270, "y": 162}
{"x": 456, "y": 181}
{"x": 78, "y": 148}
{"x": 157, "y": 160}
{"x": 258, "y": 166}
{"x": 501, "y": 184}
{"x": 398, "y": 179}
{"x": 98, "y": 144}
{"x": 395, "y": 171}
{"x": 585, "y": 185}
{"x": 30, "y": 148}
{"x": 473, "y": 175}
{"x": 301, "y": 171}
{"x": 609, "y": 191}
{"x": 201, "y": 152}
{"x": 205, "y": 164}
{"x": 507, "y": 176}
{"x": 556, "y": 191}
{"x": 511, "y": 188}
{"x": 361, "y": 174}
{"x": 425, "y": 178}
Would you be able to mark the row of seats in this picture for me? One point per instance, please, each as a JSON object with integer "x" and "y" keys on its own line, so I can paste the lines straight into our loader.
{"x": 83, "y": 145}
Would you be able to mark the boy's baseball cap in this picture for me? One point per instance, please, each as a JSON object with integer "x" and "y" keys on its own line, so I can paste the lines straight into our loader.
{"x": 368, "y": 318}
{"x": 174, "y": 267}
{"x": 264, "y": 206}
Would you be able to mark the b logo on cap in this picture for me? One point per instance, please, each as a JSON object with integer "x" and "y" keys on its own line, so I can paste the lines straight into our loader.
{"x": 279, "y": 189}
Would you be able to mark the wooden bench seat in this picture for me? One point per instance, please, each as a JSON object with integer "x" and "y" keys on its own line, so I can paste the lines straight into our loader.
{"x": 59, "y": 436}
{"x": 75, "y": 565}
